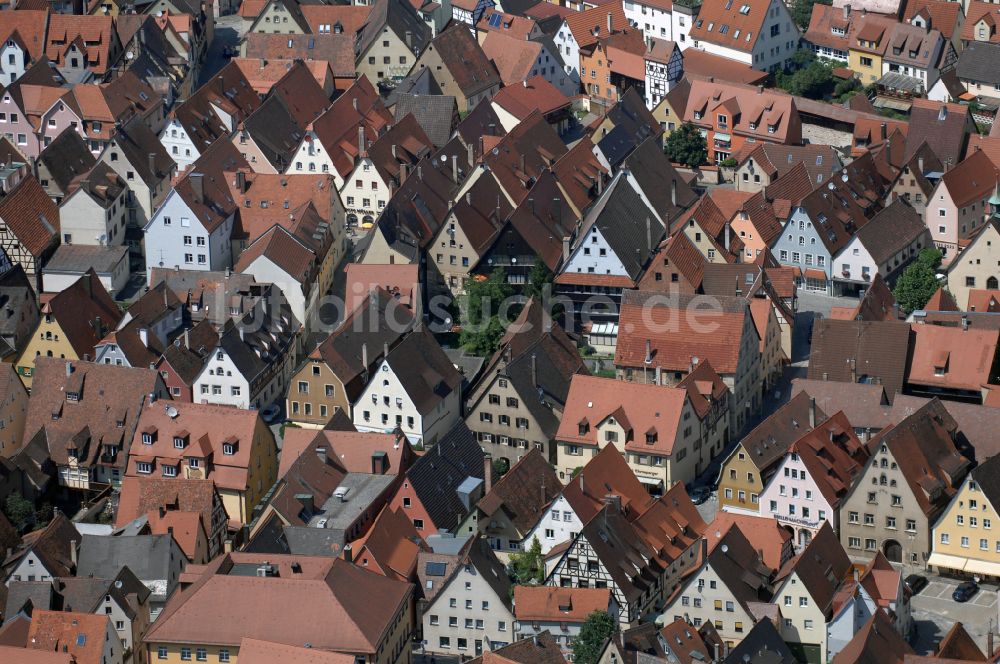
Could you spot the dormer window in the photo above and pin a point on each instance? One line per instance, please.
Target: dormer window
(148, 437)
(144, 467)
(180, 440)
(650, 437)
(229, 447)
(771, 128)
(170, 471)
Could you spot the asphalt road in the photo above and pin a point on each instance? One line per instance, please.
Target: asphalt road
(934, 612)
(228, 31)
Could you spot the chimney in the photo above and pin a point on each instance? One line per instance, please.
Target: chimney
(610, 24)
(581, 482)
(187, 339)
(847, 11)
(454, 168)
(648, 359)
(920, 165)
(673, 192)
(354, 103)
(614, 501)
(348, 553)
(534, 371)
(364, 356)
(402, 173)
(487, 473)
(385, 350)
(882, 131)
(394, 151)
(72, 552)
(565, 249)
(409, 39)
(965, 322)
(198, 185)
(659, 376)
(468, 198)
(812, 412)
(728, 230)
(152, 161)
(361, 140)
(69, 369)
(854, 370)
(472, 154)
(522, 163)
(649, 235)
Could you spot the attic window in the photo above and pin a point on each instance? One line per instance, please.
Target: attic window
(650, 437)
(180, 442)
(144, 467)
(72, 396)
(229, 447)
(147, 438)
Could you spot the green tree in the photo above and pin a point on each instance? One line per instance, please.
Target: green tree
(482, 327)
(687, 146)
(931, 257)
(802, 11)
(915, 286)
(528, 567)
(593, 635)
(19, 511)
(846, 88)
(501, 466)
(539, 277)
(808, 77)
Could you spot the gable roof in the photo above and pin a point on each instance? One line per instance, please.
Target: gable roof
(821, 567)
(768, 442)
(31, 216)
(436, 114)
(945, 128)
(877, 642)
(745, 25)
(437, 475)
(858, 351)
(401, 18)
(523, 492)
(82, 635)
(891, 231)
(606, 473)
(936, 362)
(589, 25)
(468, 65)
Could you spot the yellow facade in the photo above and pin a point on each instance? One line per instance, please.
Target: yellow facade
(667, 116)
(313, 406)
(967, 536)
(867, 65)
(740, 484)
(262, 471)
(49, 340)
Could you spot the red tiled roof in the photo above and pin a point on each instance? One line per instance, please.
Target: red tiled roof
(937, 360)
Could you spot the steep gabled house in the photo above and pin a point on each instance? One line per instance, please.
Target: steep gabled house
(20, 315)
(144, 332)
(254, 358)
(861, 351)
(23, 38)
(727, 588)
(960, 204)
(334, 375)
(44, 554)
(761, 33)
(473, 609)
(213, 111)
(510, 509)
(516, 403)
(182, 361)
(29, 233)
(914, 472)
(443, 486)
(62, 161)
(876, 586)
(391, 39)
(87, 413)
(459, 66)
(82, 47)
(808, 585)
(612, 250)
(415, 388)
(72, 324)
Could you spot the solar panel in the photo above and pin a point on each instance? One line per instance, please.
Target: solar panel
(495, 20)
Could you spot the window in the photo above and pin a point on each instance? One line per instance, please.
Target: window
(444, 642)
(965, 542)
(945, 538)
(161, 652)
(201, 654)
(185, 654)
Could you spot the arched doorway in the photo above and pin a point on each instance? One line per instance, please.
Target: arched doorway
(893, 551)
(805, 536)
(991, 283)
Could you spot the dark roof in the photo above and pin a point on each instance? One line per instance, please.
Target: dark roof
(265, 334)
(189, 352)
(400, 17)
(761, 645)
(821, 567)
(740, 568)
(148, 556)
(481, 121)
(29, 595)
(768, 442)
(539, 649)
(458, 49)
(274, 129)
(860, 351)
(436, 476)
(627, 225)
(419, 83)
(523, 492)
(891, 231)
(51, 545)
(944, 127)
(66, 157)
(977, 62)
(436, 114)
(877, 642)
(625, 554)
(138, 142)
(653, 171)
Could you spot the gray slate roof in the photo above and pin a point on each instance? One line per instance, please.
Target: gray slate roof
(148, 556)
(978, 62)
(434, 113)
(436, 475)
(78, 258)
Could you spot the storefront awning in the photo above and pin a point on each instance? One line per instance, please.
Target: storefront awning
(819, 275)
(956, 563)
(982, 567)
(652, 481)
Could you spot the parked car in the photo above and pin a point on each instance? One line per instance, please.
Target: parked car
(270, 413)
(700, 494)
(965, 591)
(915, 583)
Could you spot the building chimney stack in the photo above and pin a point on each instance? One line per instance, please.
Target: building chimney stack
(673, 192)
(361, 140)
(454, 168)
(610, 24)
(151, 157)
(812, 412)
(198, 185)
(241, 181)
(847, 11)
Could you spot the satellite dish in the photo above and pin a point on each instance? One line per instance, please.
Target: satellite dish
(172, 412)
(725, 548)
(129, 55)
(444, 157)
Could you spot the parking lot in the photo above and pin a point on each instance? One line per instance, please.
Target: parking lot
(934, 612)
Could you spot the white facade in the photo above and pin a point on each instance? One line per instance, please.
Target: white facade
(312, 157)
(559, 523)
(113, 281)
(855, 262)
(83, 220)
(385, 405)
(220, 382)
(364, 192)
(466, 617)
(569, 51)
(594, 255)
(777, 41)
(29, 569)
(176, 237)
(178, 144)
(650, 18)
(143, 197)
(793, 499)
(661, 77)
(706, 598)
(264, 270)
(681, 19)
(13, 62)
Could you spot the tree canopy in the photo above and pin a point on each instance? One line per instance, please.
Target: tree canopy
(594, 633)
(808, 77)
(482, 326)
(919, 281)
(687, 146)
(802, 11)
(527, 567)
